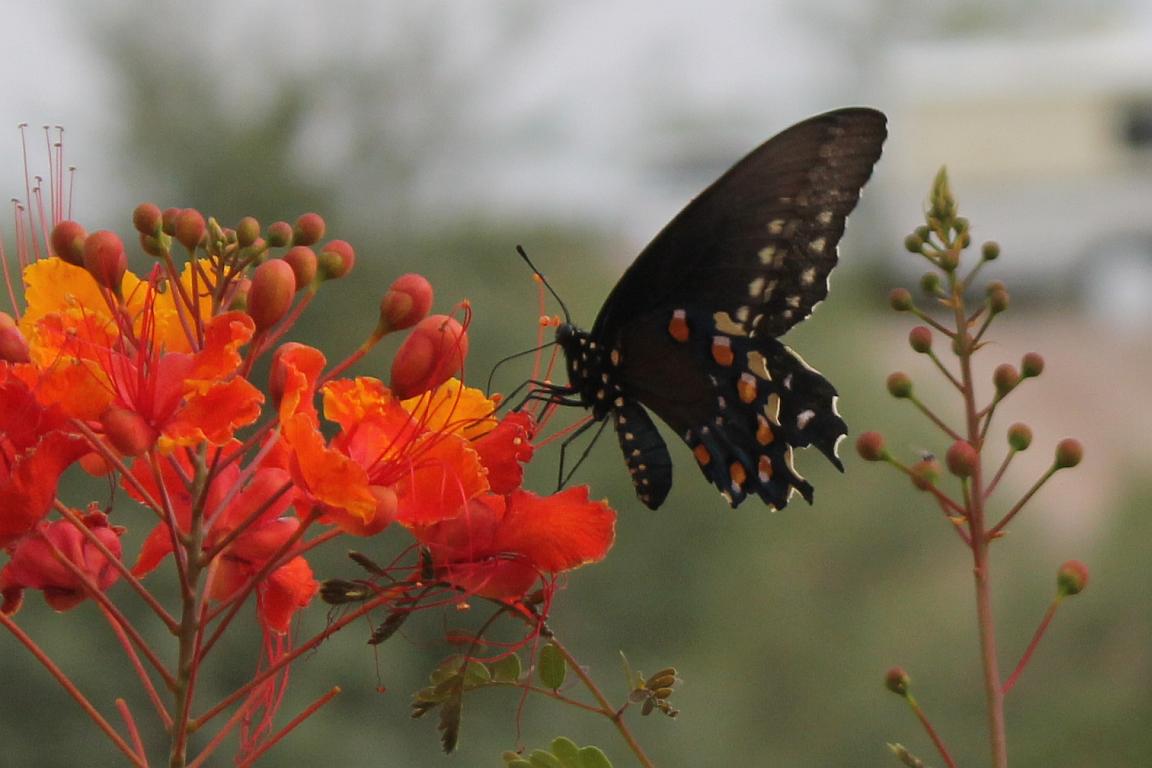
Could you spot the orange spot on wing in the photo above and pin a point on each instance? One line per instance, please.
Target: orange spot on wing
(737, 473)
(678, 326)
(702, 455)
(764, 434)
(722, 350)
(746, 386)
(765, 469)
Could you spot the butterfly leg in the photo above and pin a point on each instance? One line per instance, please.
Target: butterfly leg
(562, 479)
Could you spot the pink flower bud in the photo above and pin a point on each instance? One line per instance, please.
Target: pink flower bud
(168, 221)
(13, 345)
(127, 431)
(406, 303)
(104, 258)
(900, 299)
(962, 459)
(897, 681)
(148, 219)
(920, 339)
(433, 352)
(925, 473)
(1072, 578)
(270, 297)
(279, 234)
(870, 446)
(1019, 436)
(1032, 365)
(337, 258)
(67, 240)
(308, 230)
(189, 228)
(1069, 453)
(247, 231)
(1005, 377)
(899, 385)
(303, 261)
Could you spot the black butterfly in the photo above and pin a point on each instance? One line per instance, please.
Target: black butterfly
(690, 331)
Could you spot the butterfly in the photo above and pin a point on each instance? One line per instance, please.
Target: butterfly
(690, 332)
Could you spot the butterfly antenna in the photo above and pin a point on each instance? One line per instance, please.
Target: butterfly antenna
(551, 290)
(510, 358)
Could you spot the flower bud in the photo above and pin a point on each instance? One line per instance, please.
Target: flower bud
(925, 473)
(239, 298)
(961, 224)
(104, 258)
(990, 250)
(962, 459)
(930, 283)
(67, 241)
(1069, 453)
(95, 464)
(168, 221)
(870, 446)
(127, 430)
(949, 260)
(1031, 365)
(13, 345)
(900, 299)
(433, 352)
(1019, 436)
(998, 300)
(337, 258)
(279, 234)
(303, 261)
(1072, 578)
(308, 230)
(147, 219)
(1005, 377)
(913, 244)
(963, 343)
(899, 385)
(189, 228)
(247, 231)
(270, 297)
(152, 246)
(920, 339)
(897, 681)
(406, 303)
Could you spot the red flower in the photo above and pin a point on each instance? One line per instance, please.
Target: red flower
(35, 563)
(502, 544)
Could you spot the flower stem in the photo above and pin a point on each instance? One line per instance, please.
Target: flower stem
(932, 734)
(1040, 630)
(606, 709)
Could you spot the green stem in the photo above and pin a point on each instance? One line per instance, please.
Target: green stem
(606, 709)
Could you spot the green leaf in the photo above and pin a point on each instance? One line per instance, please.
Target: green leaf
(446, 669)
(541, 759)
(476, 675)
(592, 757)
(450, 715)
(506, 670)
(552, 667)
(518, 763)
(566, 749)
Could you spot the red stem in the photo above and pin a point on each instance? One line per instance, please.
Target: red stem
(72, 690)
(1040, 630)
(923, 718)
(279, 735)
(130, 724)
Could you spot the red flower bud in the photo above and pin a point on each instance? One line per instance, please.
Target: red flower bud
(279, 234)
(104, 258)
(1019, 436)
(303, 261)
(1005, 377)
(152, 246)
(897, 681)
(13, 345)
(1031, 365)
(337, 258)
(67, 240)
(247, 231)
(925, 473)
(269, 299)
(920, 339)
(127, 431)
(899, 385)
(189, 228)
(433, 352)
(1072, 578)
(168, 221)
(962, 459)
(870, 446)
(95, 464)
(308, 230)
(406, 303)
(900, 299)
(1069, 453)
(148, 219)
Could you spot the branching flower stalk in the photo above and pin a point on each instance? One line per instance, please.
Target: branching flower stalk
(943, 240)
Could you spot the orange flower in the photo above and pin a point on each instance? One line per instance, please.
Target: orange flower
(502, 545)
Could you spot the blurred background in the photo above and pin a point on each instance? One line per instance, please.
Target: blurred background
(435, 136)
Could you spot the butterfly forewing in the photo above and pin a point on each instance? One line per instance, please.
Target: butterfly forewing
(692, 325)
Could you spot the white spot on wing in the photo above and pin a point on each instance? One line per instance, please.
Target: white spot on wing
(756, 288)
(804, 417)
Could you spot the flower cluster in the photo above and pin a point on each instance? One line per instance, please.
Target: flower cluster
(148, 380)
